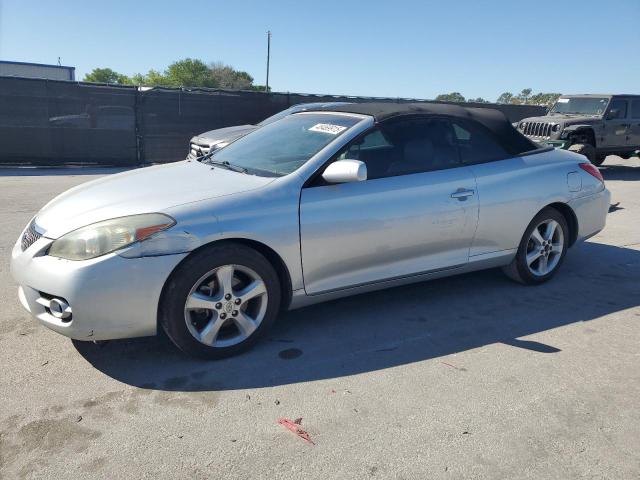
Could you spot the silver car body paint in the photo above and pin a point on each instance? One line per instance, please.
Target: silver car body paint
(334, 240)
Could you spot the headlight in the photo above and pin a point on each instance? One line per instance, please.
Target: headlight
(109, 235)
(555, 128)
(522, 125)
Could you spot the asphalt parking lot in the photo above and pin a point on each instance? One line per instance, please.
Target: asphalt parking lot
(466, 377)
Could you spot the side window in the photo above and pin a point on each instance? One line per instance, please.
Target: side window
(403, 147)
(373, 142)
(621, 106)
(635, 109)
(477, 145)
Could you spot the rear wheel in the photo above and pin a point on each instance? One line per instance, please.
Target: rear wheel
(588, 151)
(220, 301)
(541, 250)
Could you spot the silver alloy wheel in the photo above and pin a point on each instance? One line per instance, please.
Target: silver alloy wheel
(545, 247)
(226, 305)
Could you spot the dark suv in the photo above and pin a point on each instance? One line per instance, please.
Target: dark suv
(593, 125)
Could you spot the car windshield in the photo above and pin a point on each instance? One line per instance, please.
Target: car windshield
(284, 146)
(581, 105)
(279, 115)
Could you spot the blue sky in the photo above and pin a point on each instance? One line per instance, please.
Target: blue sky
(397, 48)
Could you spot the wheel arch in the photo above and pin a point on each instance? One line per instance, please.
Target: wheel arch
(271, 255)
(276, 261)
(569, 215)
(580, 132)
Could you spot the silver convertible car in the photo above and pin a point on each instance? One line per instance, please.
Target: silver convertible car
(318, 205)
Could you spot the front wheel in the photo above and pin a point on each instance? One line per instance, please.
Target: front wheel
(541, 250)
(219, 301)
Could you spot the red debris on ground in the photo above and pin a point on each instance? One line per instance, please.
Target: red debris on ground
(295, 428)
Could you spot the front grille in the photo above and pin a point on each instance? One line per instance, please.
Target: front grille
(537, 129)
(196, 150)
(30, 236)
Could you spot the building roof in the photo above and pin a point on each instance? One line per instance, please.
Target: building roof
(493, 120)
(31, 64)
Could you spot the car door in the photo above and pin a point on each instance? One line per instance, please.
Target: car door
(616, 124)
(506, 188)
(416, 212)
(634, 129)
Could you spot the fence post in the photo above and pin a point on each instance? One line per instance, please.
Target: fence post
(138, 127)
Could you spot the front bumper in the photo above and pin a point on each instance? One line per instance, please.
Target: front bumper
(557, 143)
(110, 296)
(562, 144)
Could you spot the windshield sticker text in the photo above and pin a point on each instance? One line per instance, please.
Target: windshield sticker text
(327, 128)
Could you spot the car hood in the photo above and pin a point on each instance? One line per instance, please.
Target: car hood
(227, 134)
(144, 190)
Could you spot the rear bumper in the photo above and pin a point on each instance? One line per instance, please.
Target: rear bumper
(591, 212)
(110, 296)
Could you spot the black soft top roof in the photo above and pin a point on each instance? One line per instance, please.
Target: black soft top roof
(493, 120)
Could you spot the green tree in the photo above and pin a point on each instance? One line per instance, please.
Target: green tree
(189, 73)
(225, 76)
(450, 97)
(106, 75)
(477, 100)
(152, 79)
(523, 96)
(544, 99)
(195, 73)
(506, 97)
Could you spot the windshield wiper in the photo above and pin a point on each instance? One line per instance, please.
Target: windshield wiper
(227, 165)
(224, 164)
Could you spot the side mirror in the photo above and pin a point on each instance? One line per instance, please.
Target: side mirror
(613, 113)
(345, 171)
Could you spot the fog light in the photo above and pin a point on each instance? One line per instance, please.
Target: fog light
(59, 308)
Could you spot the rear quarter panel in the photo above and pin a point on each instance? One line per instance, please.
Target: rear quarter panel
(512, 191)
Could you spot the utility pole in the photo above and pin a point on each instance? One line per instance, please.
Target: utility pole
(268, 58)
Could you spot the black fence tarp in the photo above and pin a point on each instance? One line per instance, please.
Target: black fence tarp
(55, 122)
(45, 122)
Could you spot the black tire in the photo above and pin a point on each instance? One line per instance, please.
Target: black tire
(172, 316)
(518, 270)
(588, 151)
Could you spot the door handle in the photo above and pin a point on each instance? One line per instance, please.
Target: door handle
(462, 194)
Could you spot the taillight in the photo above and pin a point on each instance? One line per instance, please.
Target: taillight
(592, 170)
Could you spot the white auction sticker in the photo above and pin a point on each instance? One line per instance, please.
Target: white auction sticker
(563, 100)
(327, 128)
